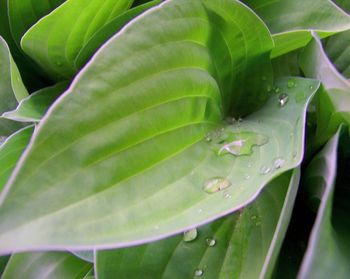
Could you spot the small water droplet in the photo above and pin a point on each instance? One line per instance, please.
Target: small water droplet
(233, 148)
(277, 90)
(278, 163)
(253, 217)
(198, 272)
(283, 99)
(216, 184)
(311, 87)
(264, 170)
(291, 83)
(210, 242)
(200, 210)
(190, 235)
(294, 154)
(227, 196)
(247, 177)
(231, 120)
(207, 138)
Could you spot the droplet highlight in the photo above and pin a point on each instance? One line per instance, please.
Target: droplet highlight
(198, 272)
(265, 170)
(211, 242)
(283, 99)
(216, 184)
(278, 163)
(190, 235)
(291, 83)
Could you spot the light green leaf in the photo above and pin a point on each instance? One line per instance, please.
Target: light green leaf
(57, 38)
(333, 103)
(226, 248)
(338, 50)
(11, 150)
(107, 31)
(131, 168)
(49, 265)
(328, 250)
(291, 21)
(87, 255)
(33, 108)
(24, 13)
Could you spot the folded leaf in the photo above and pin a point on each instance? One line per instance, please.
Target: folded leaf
(11, 150)
(33, 108)
(50, 265)
(328, 250)
(226, 248)
(56, 39)
(292, 21)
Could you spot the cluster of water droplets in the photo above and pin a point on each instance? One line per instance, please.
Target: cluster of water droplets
(276, 164)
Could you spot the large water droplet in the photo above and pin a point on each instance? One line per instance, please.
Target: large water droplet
(283, 99)
(210, 242)
(311, 87)
(190, 235)
(278, 163)
(216, 184)
(264, 170)
(198, 272)
(291, 83)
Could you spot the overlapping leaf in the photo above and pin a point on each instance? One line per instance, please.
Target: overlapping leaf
(328, 250)
(226, 248)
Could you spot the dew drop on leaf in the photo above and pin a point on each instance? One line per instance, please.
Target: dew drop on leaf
(277, 90)
(264, 170)
(278, 163)
(198, 272)
(210, 242)
(190, 235)
(283, 99)
(216, 184)
(227, 196)
(291, 83)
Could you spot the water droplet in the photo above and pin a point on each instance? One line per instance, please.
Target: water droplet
(283, 99)
(264, 170)
(294, 154)
(200, 210)
(277, 90)
(247, 177)
(253, 217)
(311, 87)
(190, 235)
(291, 83)
(278, 163)
(231, 120)
(210, 242)
(216, 184)
(227, 196)
(198, 272)
(207, 138)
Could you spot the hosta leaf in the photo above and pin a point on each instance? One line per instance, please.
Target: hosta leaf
(56, 39)
(32, 108)
(11, 150)
(328, 250)
(333, 102)
(50, 265)
(292, 21)
(108, 30)
(226, 248)
(131, 168)
(24, 13)
(11, 86)
(338, 50)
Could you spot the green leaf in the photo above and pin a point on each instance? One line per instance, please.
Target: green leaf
(333, 103)
(328, 250)
(292, 21)
(226, 248)
(69, 26)
(131, 168)
(337, 48)
(11, 150)
(46, 265)
(107, 31)
(33, 108)
(87, 256)
(24, 13)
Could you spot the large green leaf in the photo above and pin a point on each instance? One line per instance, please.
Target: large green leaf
(226, 248)
(292, 21)
(11, 86)
(24, 13)
(334, 102)
(55, 41)
(11, 150)
(33, 108)
(131, 168)
(50, 265)
(338, 50)
(328, 250)
(107, 31)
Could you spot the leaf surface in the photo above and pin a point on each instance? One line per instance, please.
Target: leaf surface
(226, 248)
(328, 250)
(50, 265)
